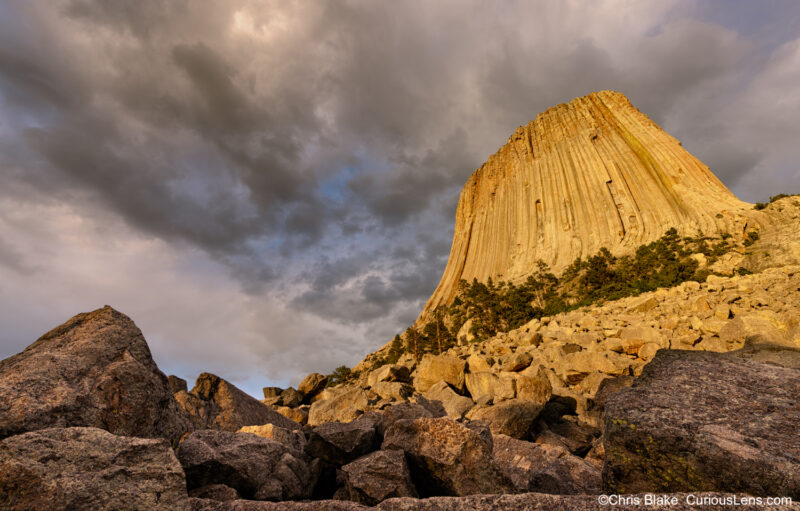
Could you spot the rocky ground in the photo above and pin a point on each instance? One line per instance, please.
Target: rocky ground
(692, 389)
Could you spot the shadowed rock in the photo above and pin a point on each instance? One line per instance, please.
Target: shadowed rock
(339, 443)
(89, 468)
(258, 468)
(94, 370)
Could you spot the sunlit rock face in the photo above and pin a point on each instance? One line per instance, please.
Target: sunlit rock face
(593, 173)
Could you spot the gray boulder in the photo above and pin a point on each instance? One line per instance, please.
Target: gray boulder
(514, 417)
(89, 468)
(700, 421)
(446, 458)
(256, 467)
(545, 468)
(378, 476)
(339, 443)
(95, 370)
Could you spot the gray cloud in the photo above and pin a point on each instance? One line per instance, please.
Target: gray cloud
(304, 160)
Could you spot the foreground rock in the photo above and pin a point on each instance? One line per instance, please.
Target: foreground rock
(435, 368)
(256, 467)
(377, 477)
(545, 468)
(698, 421)
(251, 505)
(339, 443)
(94, 370)
(217, 404)
(89, 468)
(446, 458)
(526, 502)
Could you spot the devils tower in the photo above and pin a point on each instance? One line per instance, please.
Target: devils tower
(595, 172)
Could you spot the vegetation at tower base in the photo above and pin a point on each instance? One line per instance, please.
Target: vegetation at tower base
(762, 205)
(494, 307)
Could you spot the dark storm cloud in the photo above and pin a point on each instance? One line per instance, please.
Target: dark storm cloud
(316, 150)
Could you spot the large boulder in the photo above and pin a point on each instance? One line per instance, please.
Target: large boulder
(95, 370)
(312, 385)
(215, 403)
(446, 458)
(378, 476)
(699, 421)
(89, 468)
(486, 385)
(435, 368)
(389, 373)
(339, 443)
(454, 404)
(342, 407)
(544, 468)
(514, 417)
(256, 467)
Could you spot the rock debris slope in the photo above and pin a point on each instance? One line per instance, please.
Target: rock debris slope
(593, 173)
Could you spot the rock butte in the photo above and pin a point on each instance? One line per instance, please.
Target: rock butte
(592, 173)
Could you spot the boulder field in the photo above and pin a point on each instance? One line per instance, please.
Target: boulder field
(89, 422)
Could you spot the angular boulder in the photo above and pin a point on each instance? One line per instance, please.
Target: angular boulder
(435, 368)
(95, 370)
(700, 421)
(514, 417)
(545, 468)
(378, 476)
(342, 407)
(339, 443)
(256, 467)
(389, 373)
(312, 385)
(215, 403)
(446, 458)
(486, 385)
(89, 468)
(455, 405)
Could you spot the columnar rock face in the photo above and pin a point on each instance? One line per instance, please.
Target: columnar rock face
(593, 173)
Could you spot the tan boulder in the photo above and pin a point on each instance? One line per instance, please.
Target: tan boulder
(477, 363)
(389, 373)
(496, 387)
(344, 407)
(392, 390)
(455, 405)
(435, 368)
(533, 385)
(312, 385)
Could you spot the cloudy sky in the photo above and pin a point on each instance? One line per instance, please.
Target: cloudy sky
(268, 188)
